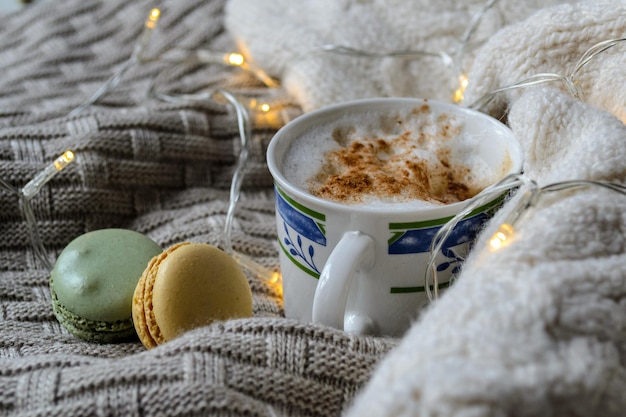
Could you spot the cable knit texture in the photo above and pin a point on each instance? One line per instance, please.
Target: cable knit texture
(553, 41)
(534, 329)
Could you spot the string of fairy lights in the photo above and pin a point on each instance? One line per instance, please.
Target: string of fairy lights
(506, 231)
(246, 108)
(28, 192)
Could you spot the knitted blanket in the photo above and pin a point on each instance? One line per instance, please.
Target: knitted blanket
(534, 329)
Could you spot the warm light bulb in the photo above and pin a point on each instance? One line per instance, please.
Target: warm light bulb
(153, 17)
(275, 279)
(501, 237)
(36, 184)
(272, 278)
(235, 59)
(64, 160)
(459, 94)
(266, 114)
(276, 282)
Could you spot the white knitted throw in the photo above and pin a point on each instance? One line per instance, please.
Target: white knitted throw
(285, 40)
(538, 327)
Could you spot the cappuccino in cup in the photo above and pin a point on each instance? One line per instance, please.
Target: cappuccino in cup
(415, 157)
(362, 188)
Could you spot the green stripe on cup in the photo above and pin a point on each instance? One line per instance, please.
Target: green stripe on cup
(408, 290)
(444, 220)
(396, 236)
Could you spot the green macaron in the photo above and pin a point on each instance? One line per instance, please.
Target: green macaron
(93, 281)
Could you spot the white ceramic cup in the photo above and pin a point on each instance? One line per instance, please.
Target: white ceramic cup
(362, 269)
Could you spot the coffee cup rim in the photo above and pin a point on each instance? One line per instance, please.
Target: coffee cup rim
(278, 144)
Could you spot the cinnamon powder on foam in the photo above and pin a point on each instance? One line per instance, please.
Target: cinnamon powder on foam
(389, 169)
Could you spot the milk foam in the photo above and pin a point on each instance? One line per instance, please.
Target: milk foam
(420, 146)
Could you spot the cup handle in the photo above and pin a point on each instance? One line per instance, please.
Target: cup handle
(355, 249)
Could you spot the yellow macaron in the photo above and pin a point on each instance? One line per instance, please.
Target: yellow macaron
(188, 286)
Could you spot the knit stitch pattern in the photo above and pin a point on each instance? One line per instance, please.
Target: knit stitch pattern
(534, 329)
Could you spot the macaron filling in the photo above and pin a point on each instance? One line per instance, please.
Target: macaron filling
(93, 281)
(91, 330)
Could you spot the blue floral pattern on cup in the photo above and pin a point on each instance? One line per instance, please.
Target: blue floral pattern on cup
(414, 238)
(417, 237)
(303, 232)
(454, 261)
(296, 249)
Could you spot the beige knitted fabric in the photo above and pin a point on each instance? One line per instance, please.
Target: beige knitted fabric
(536, 329)
(162, 169)
(256, 367)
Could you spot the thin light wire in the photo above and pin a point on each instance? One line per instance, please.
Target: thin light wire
(110, 84)
(31, 223)
(569, 80)
(137, 57)
(566, 185)
(529, 200)
(211, 57)
(33, 233)
(187, 57)
(28, 192)
(243, 116)
(445, 57)
(592, 52)
(8, 187)
(245, 133)
(469, 33)
(506, 184)
(530, 81)
(245, 129)
(354, 52)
